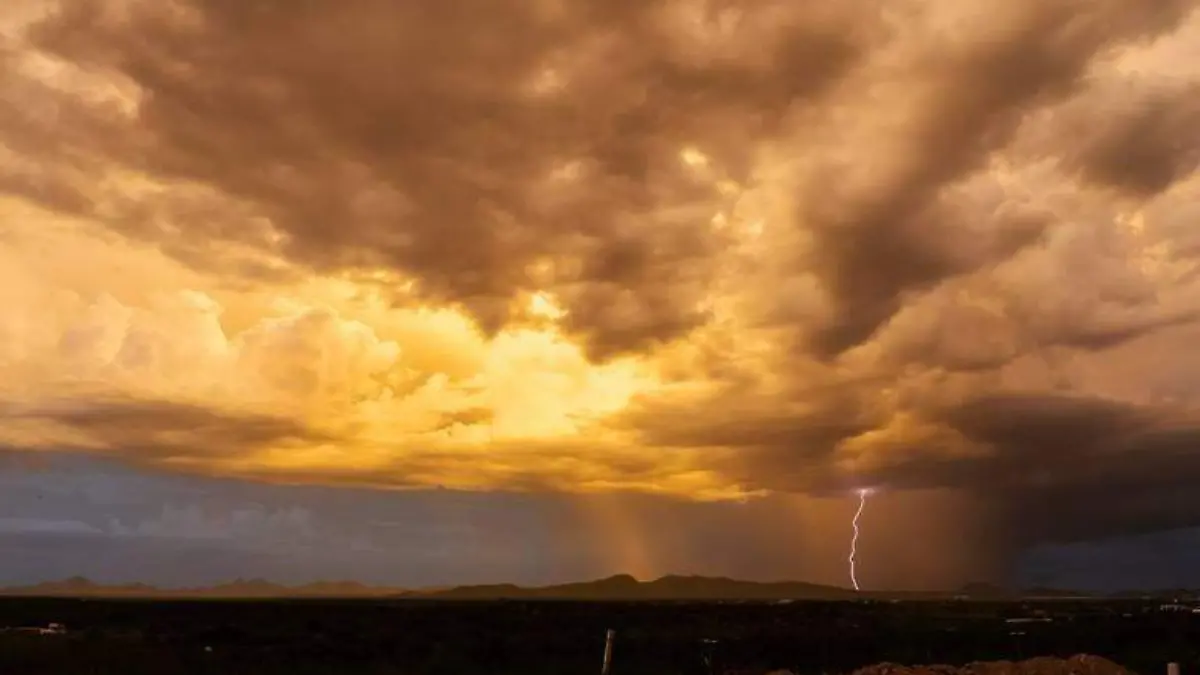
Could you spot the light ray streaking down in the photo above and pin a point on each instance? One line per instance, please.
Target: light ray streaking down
(862, 504)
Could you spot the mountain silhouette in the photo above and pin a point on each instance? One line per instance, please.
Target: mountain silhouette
(618, 587)
(672, 587)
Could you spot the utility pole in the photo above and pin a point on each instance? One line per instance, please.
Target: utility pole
(608, 642)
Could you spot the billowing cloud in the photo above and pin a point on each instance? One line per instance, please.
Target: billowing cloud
(680, 247)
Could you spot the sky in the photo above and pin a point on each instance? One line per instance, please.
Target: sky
(421, 293)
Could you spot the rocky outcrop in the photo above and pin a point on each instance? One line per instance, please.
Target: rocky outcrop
(1080, 664)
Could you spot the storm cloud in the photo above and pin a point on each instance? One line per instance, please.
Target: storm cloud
(705, 250)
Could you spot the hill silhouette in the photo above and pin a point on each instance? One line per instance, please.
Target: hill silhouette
(672, 587)
(618, 587)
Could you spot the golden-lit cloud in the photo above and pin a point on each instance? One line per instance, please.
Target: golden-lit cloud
(673, 246)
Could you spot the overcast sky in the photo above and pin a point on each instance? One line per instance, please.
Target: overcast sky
(432, 292)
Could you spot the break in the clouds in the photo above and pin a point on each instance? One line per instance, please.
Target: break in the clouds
(706, 250)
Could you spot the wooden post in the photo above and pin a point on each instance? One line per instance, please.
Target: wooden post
(1172, 668)
(608, 640)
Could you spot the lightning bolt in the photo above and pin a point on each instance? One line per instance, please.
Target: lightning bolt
(862, 504)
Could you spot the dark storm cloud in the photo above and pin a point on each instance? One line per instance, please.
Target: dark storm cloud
(875, 245)
(1071, 467)
(787, 449)
(161, 430)
(739, 420)
(1144, 150)
(409, 134)
(59, 138)
(1057, 467)
(1101, 337)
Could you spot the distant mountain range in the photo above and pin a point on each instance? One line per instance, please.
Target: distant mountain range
(240, 588)
(624, 587)
(620, 587)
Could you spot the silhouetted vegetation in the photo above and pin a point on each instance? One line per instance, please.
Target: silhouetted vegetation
(528, 637)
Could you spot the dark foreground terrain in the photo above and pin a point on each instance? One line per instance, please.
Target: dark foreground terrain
(531, 637)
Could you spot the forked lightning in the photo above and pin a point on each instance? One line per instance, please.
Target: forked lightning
(862, 504)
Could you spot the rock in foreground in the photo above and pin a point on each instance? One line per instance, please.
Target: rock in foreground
(1080, 664)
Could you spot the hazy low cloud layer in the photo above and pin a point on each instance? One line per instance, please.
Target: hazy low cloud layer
(79, 516)
(75, 516)
(688, 248)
